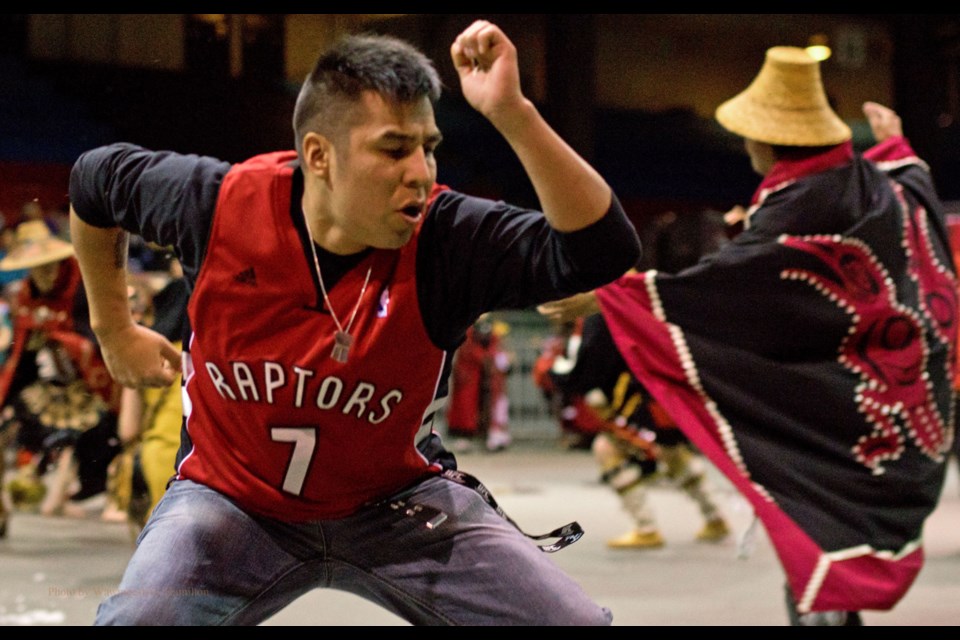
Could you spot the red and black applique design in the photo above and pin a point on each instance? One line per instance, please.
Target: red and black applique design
(888, 342)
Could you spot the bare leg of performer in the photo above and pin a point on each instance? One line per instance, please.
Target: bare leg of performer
(683, 470)
(625, 475)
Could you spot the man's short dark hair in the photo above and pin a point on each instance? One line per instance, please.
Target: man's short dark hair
(391, 67)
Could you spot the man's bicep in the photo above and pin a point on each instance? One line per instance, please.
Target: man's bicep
(458, 260)
(491, 253)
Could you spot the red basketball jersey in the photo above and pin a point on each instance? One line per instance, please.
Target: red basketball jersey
(275, 423)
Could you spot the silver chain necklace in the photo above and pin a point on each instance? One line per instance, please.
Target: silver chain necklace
(342, 340)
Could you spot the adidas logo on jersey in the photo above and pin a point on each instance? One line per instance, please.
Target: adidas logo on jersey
(247, 276)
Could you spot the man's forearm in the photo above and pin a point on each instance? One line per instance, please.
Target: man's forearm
(102, 255)
(572, 194)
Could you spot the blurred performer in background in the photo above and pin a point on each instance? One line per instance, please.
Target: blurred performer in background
(59, 403)
(479, 404)
(637, 442)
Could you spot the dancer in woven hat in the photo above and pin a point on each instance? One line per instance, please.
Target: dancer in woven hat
(57, 399)
(330, 287)
(812, 358)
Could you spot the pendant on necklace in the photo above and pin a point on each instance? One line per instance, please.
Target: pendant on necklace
(341, 347)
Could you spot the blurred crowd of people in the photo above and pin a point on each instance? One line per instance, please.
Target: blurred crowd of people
(76, 444)
(73, 442)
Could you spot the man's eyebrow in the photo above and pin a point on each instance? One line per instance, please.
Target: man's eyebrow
(396, 136)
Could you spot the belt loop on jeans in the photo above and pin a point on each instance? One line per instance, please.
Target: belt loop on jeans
(567, 534)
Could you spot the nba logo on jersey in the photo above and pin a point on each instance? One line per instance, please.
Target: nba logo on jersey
(384, 303)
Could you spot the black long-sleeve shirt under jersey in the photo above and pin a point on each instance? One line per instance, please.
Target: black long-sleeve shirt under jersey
(475, 255)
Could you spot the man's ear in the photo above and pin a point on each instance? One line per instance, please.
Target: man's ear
(317, 151)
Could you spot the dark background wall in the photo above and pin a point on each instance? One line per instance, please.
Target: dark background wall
(634, 93)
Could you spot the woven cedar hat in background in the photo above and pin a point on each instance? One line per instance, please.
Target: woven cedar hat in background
(35, 246)
(785, 104)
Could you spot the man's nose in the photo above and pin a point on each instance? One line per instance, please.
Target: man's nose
(419, 169)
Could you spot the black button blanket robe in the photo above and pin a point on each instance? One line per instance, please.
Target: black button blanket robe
(811, 359)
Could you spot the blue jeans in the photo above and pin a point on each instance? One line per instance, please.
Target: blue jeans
(201, 560)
